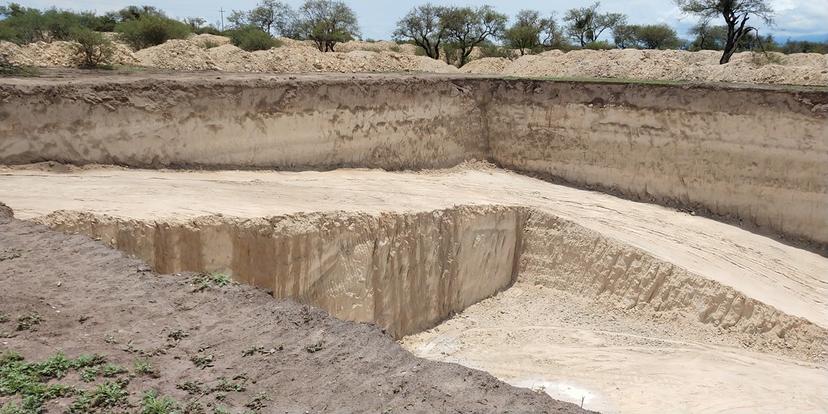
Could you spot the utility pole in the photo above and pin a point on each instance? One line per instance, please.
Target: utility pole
(221, 13)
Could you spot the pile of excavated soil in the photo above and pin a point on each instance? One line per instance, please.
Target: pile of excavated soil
(290, 59)
(59, 53)
(207, 40)
(379, 46)
(211, 346)
(176, 55)
(486, 65)
(668, 65)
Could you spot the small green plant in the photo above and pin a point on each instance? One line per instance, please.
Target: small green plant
(89, 374)
(226, 385)
(144, 367)
(106, 395)
(194, 407)
(178, 335)
(191, 387)
(220, 410)
(207, 280)
(55, 367)
(258, 402)
(112, 370)
(202, 361)
(151, 403)
(29, 321)
(3, 317)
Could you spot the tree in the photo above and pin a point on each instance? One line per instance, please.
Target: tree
(95, 48)
(530, 31)
(654, 36)
(424, 27)
(585, 25)
(271, 16)
(736, 14)
(708, 37)
(467, 27)
(195, 23)
(326, 23)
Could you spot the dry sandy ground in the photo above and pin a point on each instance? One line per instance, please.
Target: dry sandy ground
(571, 346)
(273, 356)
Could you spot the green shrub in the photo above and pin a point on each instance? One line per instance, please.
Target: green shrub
(96, 49)
(151, 30)
(252, 38)
(599, 45)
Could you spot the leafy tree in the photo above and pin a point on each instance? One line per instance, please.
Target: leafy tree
(195, 23)
(326, 23)
(467, 27)
(271, 16)
(138, 12)
(252, 38)
(150, 30)
(736, 14)
(95, 48)
(530, 32)
(423, 25)
(657, 36)
(585, 24)
(708, 37)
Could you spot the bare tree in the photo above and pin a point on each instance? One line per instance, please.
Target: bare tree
(423, 26)
(467, 27)
(736, 14)
(271, 16)
(585, 25)
(326, 23)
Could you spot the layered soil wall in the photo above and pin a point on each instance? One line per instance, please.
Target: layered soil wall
(404, 272)
(752, 154)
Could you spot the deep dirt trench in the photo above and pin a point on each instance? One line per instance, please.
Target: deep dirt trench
(230, 348)
(624, 306)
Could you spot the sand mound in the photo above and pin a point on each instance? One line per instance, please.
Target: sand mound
(668, 65)
(15, 54)
(176, 55)
(380, 46)
(59, 53)
(207, 40)
(486, 65)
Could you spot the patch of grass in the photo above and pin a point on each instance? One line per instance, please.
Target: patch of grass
(55, 367)
(29, 321)
(152, 403)
(29, 381)
(207, 280)
(106, 395)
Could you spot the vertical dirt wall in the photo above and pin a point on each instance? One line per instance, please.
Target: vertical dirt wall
(404, 272)
(758, 156)
(275, 123)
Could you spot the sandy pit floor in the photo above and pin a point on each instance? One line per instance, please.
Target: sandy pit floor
(571, 346)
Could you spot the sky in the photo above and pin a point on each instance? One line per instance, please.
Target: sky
(797, 19)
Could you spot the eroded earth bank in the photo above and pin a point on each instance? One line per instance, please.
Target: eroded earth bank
(718, 305)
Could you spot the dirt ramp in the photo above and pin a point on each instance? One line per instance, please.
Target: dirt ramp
(405, 272)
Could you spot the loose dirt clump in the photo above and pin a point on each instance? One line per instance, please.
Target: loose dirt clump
(176, 54)
(111, 336)
(207, 40)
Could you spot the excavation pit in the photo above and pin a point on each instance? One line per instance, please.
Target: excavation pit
(546, 286)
